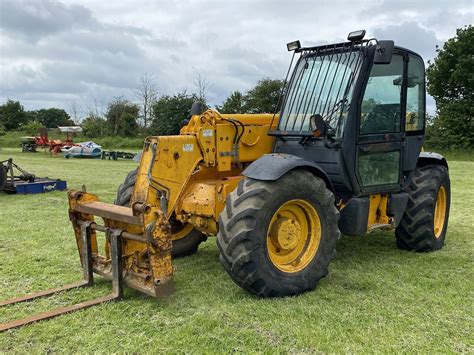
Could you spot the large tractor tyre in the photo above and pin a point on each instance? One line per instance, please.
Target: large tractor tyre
(423, 226)
(186, 239)
(277, 238)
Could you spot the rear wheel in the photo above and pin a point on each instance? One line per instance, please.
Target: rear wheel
(423, 226)
(186, 239)
(277, 238)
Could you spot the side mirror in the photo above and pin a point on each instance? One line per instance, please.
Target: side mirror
(411, 82)
(197, 108)
(384, 52)
(318, 125)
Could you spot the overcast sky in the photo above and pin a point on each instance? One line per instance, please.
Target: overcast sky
(65, 53)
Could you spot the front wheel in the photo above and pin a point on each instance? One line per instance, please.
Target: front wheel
(277, 238)
(424, 224)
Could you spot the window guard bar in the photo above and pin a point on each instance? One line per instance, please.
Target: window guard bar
(329, 86)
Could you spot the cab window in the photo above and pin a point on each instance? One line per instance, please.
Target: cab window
(381, 105)
(415, 116)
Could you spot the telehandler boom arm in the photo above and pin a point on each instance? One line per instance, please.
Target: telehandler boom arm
(184, 178)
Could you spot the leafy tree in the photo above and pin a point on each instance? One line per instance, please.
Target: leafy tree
(52, 117)
(30, 116)
(451, 83)
(235, 103)
(263, 98)
(170, 111)
(129, 124)
(32, 127)
(93, 126)
(122, 118)
(12, 115)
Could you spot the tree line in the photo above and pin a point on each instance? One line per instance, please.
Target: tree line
(13, 117)
(450, 80)
(451, 83)
(154, 115)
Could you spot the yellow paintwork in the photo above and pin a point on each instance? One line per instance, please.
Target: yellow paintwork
(213, 170)
(182, 232)
(200, 199)
(199, 167)
(215, 137)
(293, 236)
(440, 212)
(224, 136)
(411, 121)
(378, 212)
(77, 229)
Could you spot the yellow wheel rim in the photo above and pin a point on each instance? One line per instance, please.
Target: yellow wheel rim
(440, 212)
(181, 231)
(293, 236)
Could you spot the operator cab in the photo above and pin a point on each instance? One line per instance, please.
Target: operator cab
(357, 110)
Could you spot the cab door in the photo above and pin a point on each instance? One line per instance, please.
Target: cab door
(415, 116)
(381, 133)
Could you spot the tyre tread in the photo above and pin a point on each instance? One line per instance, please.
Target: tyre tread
(415, 231)
(236, 227)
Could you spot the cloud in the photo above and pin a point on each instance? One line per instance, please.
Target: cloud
(54, 53)
(35, 19)
(411, 35)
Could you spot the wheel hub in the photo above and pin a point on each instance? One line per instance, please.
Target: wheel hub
(287, 233)
(293, 235)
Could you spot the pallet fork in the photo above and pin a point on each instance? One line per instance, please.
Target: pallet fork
(115, 238)
(137, 253)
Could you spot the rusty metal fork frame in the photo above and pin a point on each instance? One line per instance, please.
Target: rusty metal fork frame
(117, 281)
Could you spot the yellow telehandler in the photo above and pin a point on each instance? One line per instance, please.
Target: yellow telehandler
(344, 155)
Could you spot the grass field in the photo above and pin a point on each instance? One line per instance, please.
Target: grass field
(375, 298)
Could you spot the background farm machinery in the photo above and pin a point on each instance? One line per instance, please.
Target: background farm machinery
(30, 144)
(14, 179)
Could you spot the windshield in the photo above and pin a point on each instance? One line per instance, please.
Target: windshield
(321, 84)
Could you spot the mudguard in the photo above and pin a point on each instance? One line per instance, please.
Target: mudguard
(271, 167)
(427, 158)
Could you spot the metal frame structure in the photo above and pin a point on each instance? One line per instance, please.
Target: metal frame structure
(349, 53)
(115, 237)
(9, 166)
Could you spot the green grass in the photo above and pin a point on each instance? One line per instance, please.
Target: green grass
(375, 299)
